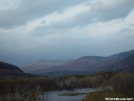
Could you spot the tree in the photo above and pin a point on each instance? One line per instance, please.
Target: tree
(123, 81)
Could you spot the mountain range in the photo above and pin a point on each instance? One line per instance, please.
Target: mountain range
(123, 61)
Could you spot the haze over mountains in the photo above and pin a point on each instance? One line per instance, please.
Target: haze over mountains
(85, 65)
(42, 64)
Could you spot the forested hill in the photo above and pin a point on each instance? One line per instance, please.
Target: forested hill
(11, 71)
(9, 67)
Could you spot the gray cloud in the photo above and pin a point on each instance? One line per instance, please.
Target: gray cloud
(99, 12)
(58, 27)
(119, 9)
(91, 32)
(106, 12)
(31, 10)
(126, 31)
(131, 25)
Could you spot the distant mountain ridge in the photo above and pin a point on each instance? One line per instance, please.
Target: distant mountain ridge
(42, 64)
(89, 64)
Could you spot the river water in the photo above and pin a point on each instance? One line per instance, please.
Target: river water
(54, 95)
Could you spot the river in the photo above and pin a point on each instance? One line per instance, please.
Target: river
(55, 95)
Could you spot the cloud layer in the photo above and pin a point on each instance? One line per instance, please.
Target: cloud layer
(63, 29)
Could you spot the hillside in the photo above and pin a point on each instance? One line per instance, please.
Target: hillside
(112, 62)
(87, 65)
(11, 71)
(126, 64)
(9, 67)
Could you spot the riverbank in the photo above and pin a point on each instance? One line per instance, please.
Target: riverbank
(103, 95)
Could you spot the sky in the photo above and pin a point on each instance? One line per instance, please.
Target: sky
(64, 29)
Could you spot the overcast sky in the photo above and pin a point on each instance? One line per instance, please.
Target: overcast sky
(64, 29)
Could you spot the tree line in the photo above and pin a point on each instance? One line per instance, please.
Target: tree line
(34, 89)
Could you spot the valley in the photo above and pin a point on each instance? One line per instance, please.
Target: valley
(41, 79)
